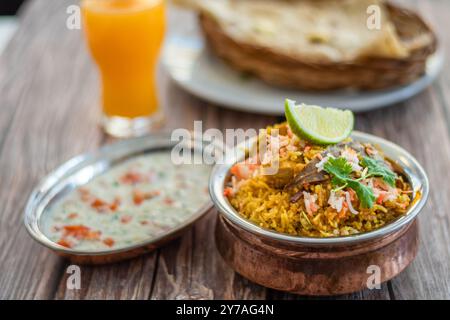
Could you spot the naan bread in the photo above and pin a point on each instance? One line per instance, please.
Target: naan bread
(317, 44)
(312, 30)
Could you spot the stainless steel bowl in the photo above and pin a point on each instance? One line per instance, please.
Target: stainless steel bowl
(412, 169)
(79, 171)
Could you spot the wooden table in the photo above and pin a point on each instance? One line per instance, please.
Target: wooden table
(48, 92)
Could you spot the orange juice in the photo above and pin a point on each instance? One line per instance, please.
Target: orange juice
(125, 37)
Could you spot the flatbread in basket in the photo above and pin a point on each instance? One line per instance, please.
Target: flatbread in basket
(318, 44)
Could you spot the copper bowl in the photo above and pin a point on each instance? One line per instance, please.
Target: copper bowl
(320, 266)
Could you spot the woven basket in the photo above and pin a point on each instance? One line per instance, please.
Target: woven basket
(365, 74)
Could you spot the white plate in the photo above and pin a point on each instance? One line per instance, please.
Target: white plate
(198, 71)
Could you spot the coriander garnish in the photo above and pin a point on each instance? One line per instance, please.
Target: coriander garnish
(340, 170)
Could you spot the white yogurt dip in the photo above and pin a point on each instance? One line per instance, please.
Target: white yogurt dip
(134, 201)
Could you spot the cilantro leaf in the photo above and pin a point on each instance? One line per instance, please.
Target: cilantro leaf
(364, 193)
(376, 168)
(339, 169)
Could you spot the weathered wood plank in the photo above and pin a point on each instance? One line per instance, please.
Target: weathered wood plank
(191, 268)
(48, 90)
(375, 294)
(130, 279)
(47, 117)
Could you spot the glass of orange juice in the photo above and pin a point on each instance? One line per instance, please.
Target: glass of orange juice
(125, 37)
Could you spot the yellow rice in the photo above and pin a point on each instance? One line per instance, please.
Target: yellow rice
(268, 205)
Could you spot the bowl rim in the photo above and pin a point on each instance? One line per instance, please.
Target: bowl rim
(130, 148)
(419, 180)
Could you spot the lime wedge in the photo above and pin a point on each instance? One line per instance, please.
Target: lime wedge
(319, 125)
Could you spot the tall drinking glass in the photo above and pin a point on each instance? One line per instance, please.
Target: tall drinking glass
(125, 38)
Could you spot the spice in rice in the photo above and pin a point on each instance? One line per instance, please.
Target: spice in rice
(319, 191)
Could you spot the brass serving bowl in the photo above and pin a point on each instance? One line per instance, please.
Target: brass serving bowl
(320, 266)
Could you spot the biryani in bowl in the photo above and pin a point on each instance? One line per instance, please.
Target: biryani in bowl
(321, 187)
(307, 206)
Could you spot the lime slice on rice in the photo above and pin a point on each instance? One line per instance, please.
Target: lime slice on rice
(319, 125)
